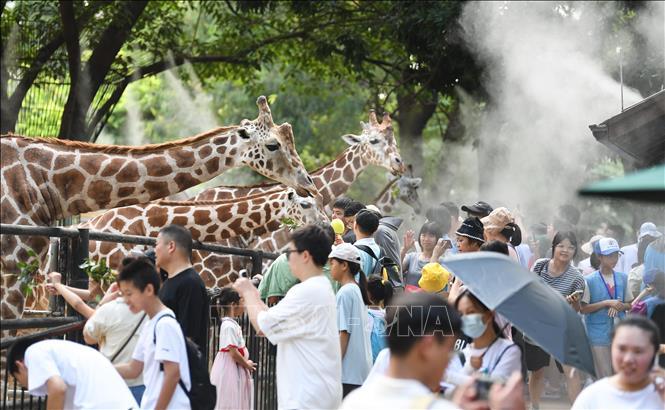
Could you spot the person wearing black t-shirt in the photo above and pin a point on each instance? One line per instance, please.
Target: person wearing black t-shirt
(184, 291)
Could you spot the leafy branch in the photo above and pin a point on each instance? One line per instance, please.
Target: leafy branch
(29, 273)
(98, 271)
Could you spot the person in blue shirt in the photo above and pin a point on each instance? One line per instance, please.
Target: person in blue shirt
(366, 223)
(606, 298)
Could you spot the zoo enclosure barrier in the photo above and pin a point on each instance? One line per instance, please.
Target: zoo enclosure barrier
(70, 252)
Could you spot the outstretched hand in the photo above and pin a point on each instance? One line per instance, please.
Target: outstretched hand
(409, 239)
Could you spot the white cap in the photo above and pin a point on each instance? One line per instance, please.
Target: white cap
(588, 247)
(649, 228)
(606, 246)
(346, 252)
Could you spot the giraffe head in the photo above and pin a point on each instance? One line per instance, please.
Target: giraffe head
(274, 151)
(377, 141)
(303, 210)
(408, 192)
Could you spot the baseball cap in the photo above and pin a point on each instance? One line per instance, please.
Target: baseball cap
(606, 246)
(346, 252)
(649, 228)
(480, 207)
(434, 277)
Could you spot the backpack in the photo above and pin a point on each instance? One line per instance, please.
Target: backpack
(203, 394)
(385, 267)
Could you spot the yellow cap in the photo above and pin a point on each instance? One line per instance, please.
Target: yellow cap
(434, 278)
(338, 226)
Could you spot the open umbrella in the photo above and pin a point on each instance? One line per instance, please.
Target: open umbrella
(643, 185)
(527, 302)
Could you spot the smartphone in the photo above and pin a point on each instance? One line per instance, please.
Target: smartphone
(483, 386)
(576, 293)
(447, 242)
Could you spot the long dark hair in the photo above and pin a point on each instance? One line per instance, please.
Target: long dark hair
(354, 268)
(512, 233)
(561, 236)
(482, 307)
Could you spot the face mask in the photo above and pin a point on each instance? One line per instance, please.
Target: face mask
(473, 326)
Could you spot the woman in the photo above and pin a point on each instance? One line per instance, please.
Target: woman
(635, 343)
(560, 274)
(500, 225)
(469, 239)
(352, 301)
(489, 353)
(413, 262)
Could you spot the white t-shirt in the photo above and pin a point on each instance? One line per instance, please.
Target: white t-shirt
(629, 257)
(603, 395)
(169, 346)
(303, 325)
(111, 326)
(92, 381)
(384, 393)
(495, 364)
(352, 318)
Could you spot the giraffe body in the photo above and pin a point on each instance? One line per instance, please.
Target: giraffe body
(43, 180)
(208, 221)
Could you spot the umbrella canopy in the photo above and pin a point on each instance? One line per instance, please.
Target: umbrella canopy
(527, 302)
(644, 185)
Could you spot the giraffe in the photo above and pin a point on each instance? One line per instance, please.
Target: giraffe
(403, 189)
(44, 180)
(374, 146)
(208, 221)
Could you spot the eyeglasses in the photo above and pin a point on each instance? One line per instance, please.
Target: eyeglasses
(288, 252)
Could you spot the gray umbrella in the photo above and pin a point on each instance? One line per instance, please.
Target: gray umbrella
(527, 302)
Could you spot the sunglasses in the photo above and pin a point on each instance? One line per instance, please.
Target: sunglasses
(288, 252)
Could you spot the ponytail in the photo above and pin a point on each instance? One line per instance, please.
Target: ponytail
(513, 233)
(354, 268)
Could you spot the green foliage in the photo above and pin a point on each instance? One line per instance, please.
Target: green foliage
(289, 223)
(29, 276)
(98, 271)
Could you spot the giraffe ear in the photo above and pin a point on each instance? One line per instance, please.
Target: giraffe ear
(351, 139)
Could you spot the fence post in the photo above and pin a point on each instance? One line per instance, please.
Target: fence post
(257, 263)
(56, 302)
(79, 254)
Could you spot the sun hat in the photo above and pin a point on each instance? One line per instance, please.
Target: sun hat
(498, 219)
(606, 246)
(480, 208)
(345, 252)
(434, 277)
(471, 228)
(649, 228)
(588, 247)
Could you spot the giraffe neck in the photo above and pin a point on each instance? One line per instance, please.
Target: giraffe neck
(386, 201)
(70, 178)
(334, 179)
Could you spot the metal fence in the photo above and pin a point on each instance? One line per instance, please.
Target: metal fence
(72, 250)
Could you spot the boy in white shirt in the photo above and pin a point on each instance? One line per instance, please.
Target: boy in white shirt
(160, 352)
(73, 376)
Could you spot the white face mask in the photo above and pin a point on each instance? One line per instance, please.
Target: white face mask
(473, 326)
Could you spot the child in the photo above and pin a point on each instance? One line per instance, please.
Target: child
(605, 299)
(379, 293)
(231, 369)
(160, 353)
(352, 314)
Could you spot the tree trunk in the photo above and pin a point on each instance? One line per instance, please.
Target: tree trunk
(414, 113)
(74, 125)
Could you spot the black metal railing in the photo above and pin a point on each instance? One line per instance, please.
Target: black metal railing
(72, 250)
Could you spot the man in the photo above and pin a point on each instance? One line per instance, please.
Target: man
(160, 353)
(339, 206)
(303, 325)
(480, 209)
(73, 376)
(420, 335)
(184, 291)
(350, 213)
(366, 224)
(387, 239)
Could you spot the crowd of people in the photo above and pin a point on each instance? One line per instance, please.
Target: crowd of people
(366, 319)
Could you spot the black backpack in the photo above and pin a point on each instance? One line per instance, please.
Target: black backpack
(384, 267)
(203, 394)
